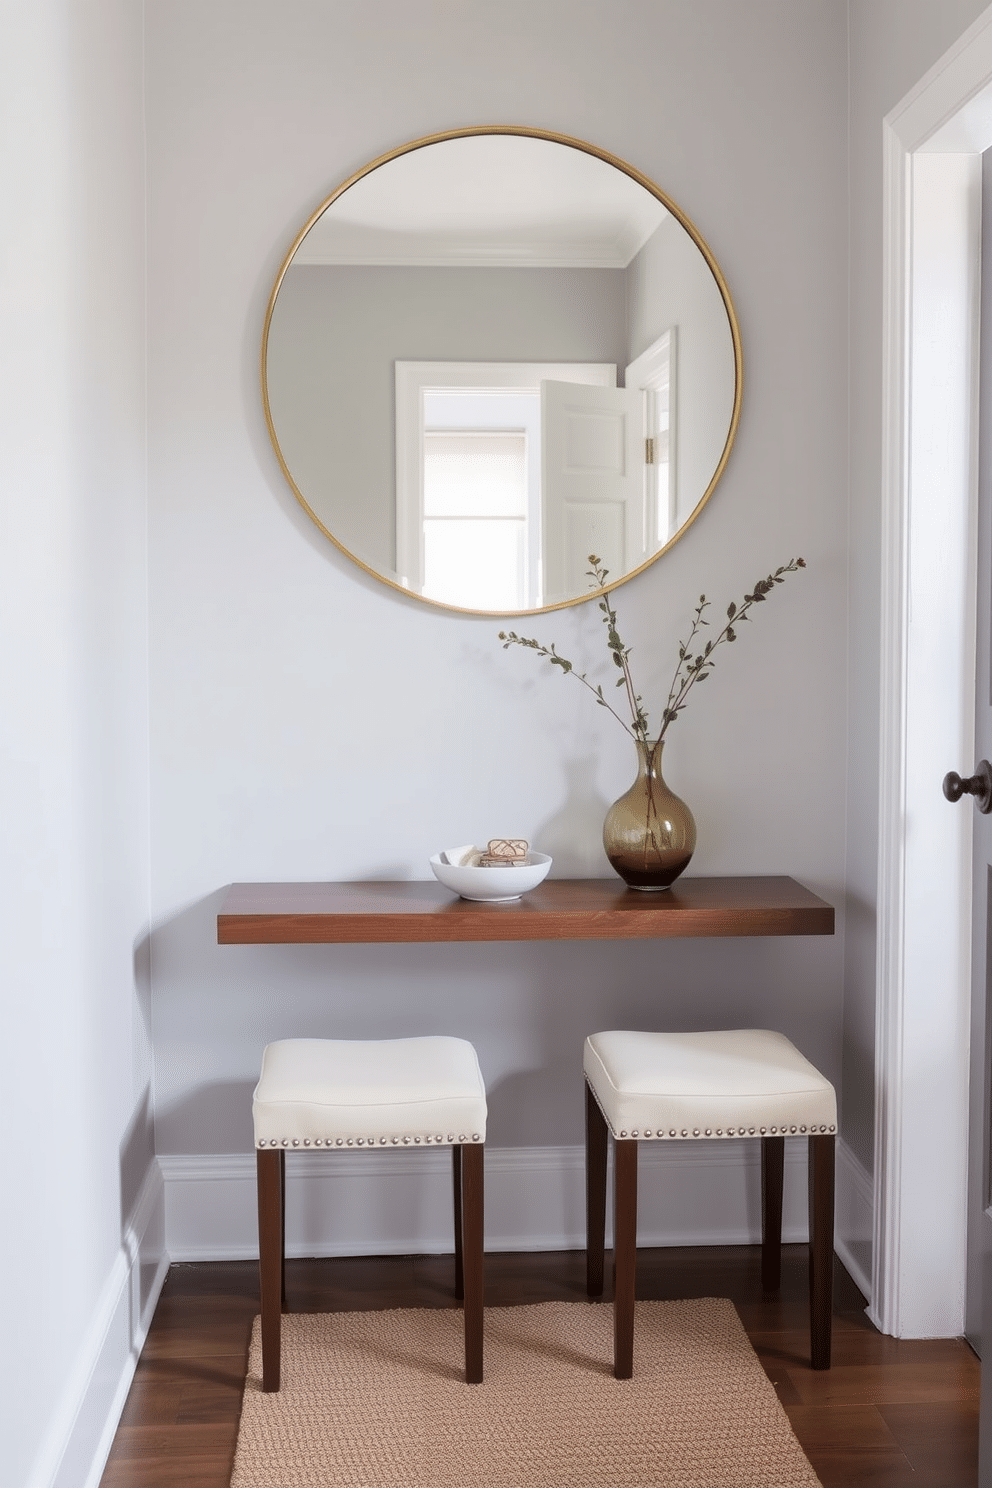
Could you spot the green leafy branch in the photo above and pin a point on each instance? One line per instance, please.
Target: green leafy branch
(691, 668)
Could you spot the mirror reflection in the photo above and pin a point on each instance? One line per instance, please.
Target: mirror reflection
(492, 354)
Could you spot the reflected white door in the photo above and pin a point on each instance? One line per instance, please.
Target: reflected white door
(654, 372)
(592, 485)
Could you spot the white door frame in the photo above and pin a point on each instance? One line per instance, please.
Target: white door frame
(932, 227)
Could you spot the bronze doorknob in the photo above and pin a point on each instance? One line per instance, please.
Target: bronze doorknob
(978, 785)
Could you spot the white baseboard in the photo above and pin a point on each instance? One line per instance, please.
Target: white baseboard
(855, 1219)
(83, 1423)
(690, 1193)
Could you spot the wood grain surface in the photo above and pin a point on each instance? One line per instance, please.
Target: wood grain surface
(374, 912)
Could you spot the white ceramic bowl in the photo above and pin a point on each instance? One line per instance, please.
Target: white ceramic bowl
(494, 884)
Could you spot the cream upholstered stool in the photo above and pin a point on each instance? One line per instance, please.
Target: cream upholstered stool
(348, 1095)
(698, 1086)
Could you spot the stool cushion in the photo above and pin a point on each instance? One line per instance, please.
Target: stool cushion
(743, 1083)
(365, 1093)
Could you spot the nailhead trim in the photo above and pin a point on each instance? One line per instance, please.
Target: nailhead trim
(406, 1141)
(430, 1139)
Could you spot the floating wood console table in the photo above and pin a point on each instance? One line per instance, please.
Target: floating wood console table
(376, 912)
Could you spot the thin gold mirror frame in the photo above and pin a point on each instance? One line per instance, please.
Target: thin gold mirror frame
(521, 131)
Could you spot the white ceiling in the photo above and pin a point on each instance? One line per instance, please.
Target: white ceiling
(488, 200)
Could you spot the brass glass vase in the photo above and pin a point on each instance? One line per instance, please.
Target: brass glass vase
(649, 833)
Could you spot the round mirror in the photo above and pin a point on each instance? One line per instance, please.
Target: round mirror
(492, 353)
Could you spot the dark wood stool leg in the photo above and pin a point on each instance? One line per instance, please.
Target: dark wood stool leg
(821, 1248)
(624, 1255)
(473, 1184)
(596, 1144)
(456, 1180)
(282, 1231)
(270, 1166)
(772, 1176)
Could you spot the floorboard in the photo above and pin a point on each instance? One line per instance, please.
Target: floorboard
(889, 1413)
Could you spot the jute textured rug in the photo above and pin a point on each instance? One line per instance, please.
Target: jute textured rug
(377, 1400)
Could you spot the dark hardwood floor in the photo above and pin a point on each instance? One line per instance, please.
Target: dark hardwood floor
(889, 1413)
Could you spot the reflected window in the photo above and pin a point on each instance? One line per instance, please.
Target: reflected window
(470, 478)
(476, 510)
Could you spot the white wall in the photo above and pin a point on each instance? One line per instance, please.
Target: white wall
(75, 1099)
(307, 723)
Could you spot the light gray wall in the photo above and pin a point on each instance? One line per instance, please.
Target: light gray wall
(334, 338)
(893, 43)
(669, 283)
(308, 723)
(75, 1095)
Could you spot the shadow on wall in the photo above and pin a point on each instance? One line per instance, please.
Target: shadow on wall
(137, 1154)
(220, 1110)
(573, 835)
(141, 1217)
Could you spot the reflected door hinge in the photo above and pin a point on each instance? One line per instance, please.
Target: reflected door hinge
(649, 451)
